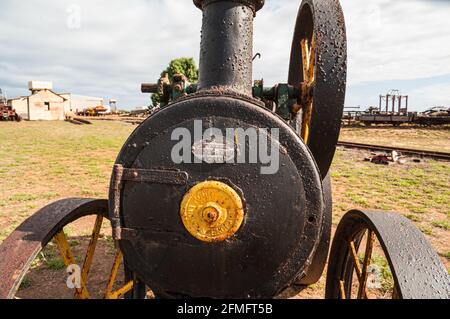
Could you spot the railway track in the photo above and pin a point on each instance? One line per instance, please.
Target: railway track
(404, 151)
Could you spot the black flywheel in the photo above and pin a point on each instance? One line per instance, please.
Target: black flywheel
(318, 67)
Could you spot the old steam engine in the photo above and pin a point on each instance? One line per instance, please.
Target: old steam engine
(225, 192)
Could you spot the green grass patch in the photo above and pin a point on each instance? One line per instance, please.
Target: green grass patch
(22, 197)
(441, 224)
(26, 283)
(359, 200)
(414, 218)
(446, 255)
(55, 264)
(74, 243)
(426, 230)
(387, 280)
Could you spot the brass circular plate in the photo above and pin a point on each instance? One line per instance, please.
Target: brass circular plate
(212, 211)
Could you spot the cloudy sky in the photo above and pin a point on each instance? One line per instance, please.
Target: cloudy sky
(106, 48)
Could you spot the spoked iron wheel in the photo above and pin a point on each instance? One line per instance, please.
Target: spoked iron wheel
(383, 255)
(318, 67)
(35, 246)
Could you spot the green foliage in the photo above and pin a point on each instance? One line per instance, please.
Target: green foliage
(156, 98)
(55, 264)
(387, 280)
(74, 243)
(383, 270)
(185, 66)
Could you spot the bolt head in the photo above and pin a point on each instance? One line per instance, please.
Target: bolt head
(211, 214)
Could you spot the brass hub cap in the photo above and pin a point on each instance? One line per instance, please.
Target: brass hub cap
(212, 211)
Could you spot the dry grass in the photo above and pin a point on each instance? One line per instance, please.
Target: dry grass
(44, 161)
(433, 139)
(419, 191)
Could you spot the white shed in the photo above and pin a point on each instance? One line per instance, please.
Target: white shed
(79, 103)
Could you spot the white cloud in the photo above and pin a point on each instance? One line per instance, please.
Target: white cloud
(432, 95)
(397, 39)
(123, 43)
(119, 45)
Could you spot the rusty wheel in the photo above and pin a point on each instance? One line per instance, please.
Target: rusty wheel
(33, 250)
(383, 255)
(318, 67)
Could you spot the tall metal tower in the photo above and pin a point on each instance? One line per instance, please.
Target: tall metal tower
(3, 98)
(113, 105)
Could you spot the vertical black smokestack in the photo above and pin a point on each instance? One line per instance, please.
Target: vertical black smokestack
(226, 49)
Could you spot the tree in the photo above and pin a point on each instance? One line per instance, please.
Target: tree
(156, 98)
(185, 66)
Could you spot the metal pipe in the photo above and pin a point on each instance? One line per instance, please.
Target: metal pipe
(226, 49)
(149, 87)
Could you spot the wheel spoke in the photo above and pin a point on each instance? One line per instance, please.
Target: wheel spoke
(306, 121)
(366, 263)
(113, 275)
(355, 259)
(305, 59)
(68, 258)
(356, 263)
(89, 255)
(308, 62)
(112, 279)
(64, 248)
(312, 61)
(119, 293)
(342, 289)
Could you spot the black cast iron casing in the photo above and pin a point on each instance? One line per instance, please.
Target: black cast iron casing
(254, 4)
(226, 49)
(283, 212)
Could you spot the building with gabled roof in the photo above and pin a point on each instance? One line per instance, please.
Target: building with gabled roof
(45, 105)
(41, 105)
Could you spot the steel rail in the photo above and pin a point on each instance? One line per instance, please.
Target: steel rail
(403, 151)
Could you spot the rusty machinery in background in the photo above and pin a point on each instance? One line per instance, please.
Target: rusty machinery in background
(223, 230)
(393, 109)
(7, 113)
(394, 98)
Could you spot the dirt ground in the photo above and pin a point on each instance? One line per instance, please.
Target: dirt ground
(41, 162)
